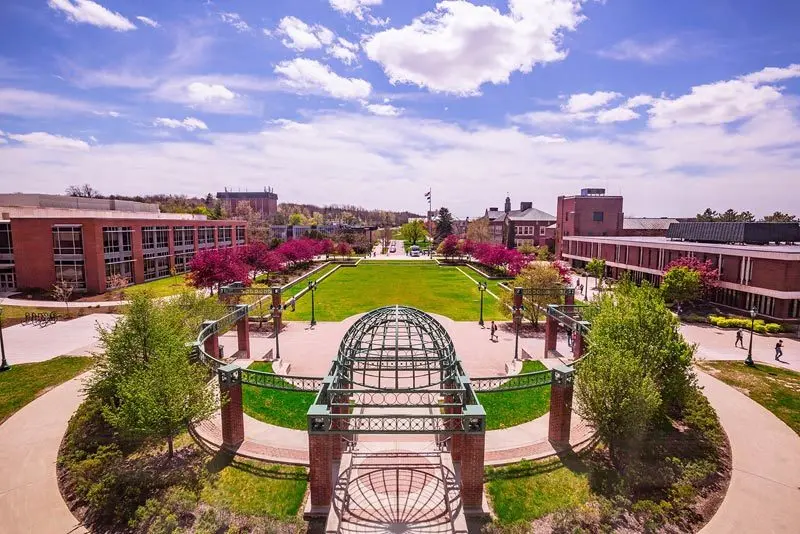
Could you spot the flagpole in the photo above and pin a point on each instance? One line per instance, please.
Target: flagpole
(430, 225)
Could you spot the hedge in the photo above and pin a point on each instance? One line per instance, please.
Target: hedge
(741, 322)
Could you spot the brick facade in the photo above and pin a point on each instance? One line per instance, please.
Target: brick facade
(560, 406)
(232, 415)
(473, 447)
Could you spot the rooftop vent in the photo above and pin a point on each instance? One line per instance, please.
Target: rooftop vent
(592, 192)
(525, 206)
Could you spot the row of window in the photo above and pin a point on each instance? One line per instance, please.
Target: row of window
(529, 230)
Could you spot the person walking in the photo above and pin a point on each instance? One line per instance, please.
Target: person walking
(779, 349)
(739, 339)
(493, 332)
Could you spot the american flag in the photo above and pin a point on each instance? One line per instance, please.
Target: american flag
(428, 195)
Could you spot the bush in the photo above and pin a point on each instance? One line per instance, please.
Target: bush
(744, 323)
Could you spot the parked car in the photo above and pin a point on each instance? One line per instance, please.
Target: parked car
(415, 251)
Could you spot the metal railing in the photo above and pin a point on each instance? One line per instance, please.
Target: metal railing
(499, 384)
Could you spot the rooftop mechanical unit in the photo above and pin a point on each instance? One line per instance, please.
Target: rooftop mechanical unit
(750, 233)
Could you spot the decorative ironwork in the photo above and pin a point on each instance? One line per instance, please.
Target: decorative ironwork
(396, 424)
(285, 382)
(499, 384)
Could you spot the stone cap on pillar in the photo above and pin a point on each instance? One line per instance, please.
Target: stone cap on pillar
(318, 419)
(243, 309)
(229, 375)
(563, 375)
(474, 418)
(276, 290)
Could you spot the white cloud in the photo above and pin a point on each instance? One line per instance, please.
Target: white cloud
(216, 93)
(460, 46)
(357, 8)
(619, 114)
(287, 124)
(773, 74)
(88, 12)
(49, 141)
(300, 36)
(586, 101)
(386, 110)
(150, 22)
(307, 75)
(189, 123)
(24, 103)
(550, 119)
(204, 92)
(631, 50)
(639, 101)
(344, 51)
(235, 20)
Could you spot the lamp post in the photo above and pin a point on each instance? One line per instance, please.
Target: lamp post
(749, 359)
(586, 288)
(481, 288)
(312, 286)
(3, 364)
(517, 320)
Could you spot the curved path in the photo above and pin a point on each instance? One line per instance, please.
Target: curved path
(764, 492)
(30, 501)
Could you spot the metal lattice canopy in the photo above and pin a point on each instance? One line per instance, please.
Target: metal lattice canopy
(396, 357)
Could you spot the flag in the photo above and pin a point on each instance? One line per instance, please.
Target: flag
(428, 195)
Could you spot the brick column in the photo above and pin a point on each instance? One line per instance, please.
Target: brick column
(171, 246)
(230, 387)
(276, 307)
(473, 448)
(320, 469)
(211, 344)
(579, 344)
(138, 253)
(517, 315)
(243, 332)
(560, 404)
(550, 335)
(569, 296)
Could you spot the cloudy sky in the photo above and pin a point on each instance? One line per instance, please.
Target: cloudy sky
(676, 105)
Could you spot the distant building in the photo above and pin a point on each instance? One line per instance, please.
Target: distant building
(83, 242)
(264, 203)
(646, 226)
(591, 213)
(514, 228)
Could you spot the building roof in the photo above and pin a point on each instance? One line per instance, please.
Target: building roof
(755, 233)
(495, 214)
(530, 214)
(647, 223)
(714, 248)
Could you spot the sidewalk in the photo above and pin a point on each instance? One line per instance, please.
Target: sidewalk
(764, 492)
(30, 501)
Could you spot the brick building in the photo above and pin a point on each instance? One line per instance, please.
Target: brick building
(264, 203)
(84, 245)
(591, 213)
(527, 226)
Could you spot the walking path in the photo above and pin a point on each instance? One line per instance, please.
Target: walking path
(764, 492)
(30, 501)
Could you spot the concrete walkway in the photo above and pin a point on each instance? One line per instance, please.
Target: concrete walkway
(764, 492)
(30, 501)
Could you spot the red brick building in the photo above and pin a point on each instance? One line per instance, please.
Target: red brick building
(41, 245)
(591, 213)
(264, 203)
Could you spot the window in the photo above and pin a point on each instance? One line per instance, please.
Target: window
(156, 268)
(240, 237)
(122, 269)
(6, 245)
(8, 279)
(205, 237)
(155, 238)
(71, 272)
(182, 262)
(67, 240)
(224, 236)
(597, 216)
(542, 230)
(117, 239)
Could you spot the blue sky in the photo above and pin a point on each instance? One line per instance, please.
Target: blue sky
(676, 105)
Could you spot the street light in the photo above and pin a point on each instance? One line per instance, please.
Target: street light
(3, 364)
(749, 359)
(586, 287)
(312, 286)
(481, 288)
(517, 320)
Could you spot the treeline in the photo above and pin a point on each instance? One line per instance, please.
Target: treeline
(732, 215)
(342, 213)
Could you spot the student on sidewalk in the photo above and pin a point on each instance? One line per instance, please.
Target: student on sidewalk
(739, 339)
(493, 332)
(779, 349)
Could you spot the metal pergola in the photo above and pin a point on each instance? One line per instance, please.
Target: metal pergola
(396, 371)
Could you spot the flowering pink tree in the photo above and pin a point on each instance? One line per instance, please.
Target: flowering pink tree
(298, 251)
(212, 268)
(326, 246)
(563, 270)
(259, 259)
(709, 276)
(500, 257)
(466, 247)
(449, 247)
(343, 249)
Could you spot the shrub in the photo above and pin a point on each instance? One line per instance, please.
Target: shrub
(774, 328)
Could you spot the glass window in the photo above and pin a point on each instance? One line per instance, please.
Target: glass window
(155, 237)
(6, 245)
(71, 272)
(67, 240)
(122, 270)
(117, 239)
(240, 235)
(597, 216)
(542, 230)
(156, 268)
(205, 236)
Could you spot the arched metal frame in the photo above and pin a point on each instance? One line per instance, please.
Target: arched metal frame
(396, 357)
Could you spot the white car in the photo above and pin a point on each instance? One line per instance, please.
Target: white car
(415, 251)
(392, 249)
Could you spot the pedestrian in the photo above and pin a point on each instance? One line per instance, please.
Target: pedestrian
(493, 332)
(739, 339)
(779, 349)
(569, 337)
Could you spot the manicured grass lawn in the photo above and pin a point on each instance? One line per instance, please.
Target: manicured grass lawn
(24, 382)
(424, 285)
(529, 490)
(163, 287)
(275, 406)
(515, 407)
(776, 389)
(256, 489)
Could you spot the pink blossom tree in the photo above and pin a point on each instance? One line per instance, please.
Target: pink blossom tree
(212, 268)
(449, 247)
(709, 276)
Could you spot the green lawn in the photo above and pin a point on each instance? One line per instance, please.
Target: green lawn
(163, 287)
(515, 407)
(275, 406)
(528, 490)
(423, 285)
(256, 489)
(24, 382)
(776, 389)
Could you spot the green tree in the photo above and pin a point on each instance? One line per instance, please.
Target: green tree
(779, 216)
(526, 249)
(681, 284)
(413, 231)
(597, 268)
(297, 219)
(708, 215)
(444, 224)
(535, 276)
(478, 230)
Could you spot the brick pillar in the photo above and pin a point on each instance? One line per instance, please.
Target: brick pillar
(276, 307)
(517, 315)
(560, 404)
(550, 335)
(171, 246)
(473, 448)
(569, 296)
(243, 332)
(211, 344)
(579, 344)
(138, 253)
(320, 469)
(230, 387)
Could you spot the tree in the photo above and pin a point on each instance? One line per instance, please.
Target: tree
(681, 284)
(709, 276)
(259, 259)
(83, 191)
(597, 268)
(444, 224)
(478, 230)
(348, 218)
(211, 268)
(526, 249)
(413, 231)
(537, 277)
(708, 215)
(449, 247)
(116, 281)
(344, 249)
(729, 215)
(145, 375)
(386, 237)
(317, 219)
(298, 251)
(62, 291)
(297, 219)
(780, 217)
